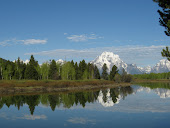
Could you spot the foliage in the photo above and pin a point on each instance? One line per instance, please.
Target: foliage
(113, 72)
(153, 76)
(126, 77)
(104, 73)
(166, 53)
(164, 21)
(53, 71)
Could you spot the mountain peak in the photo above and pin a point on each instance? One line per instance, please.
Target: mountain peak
(110, 59)
(113, 59)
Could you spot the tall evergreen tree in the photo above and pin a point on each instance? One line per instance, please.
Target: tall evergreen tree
(31, 72)
(96, 73)
(113, 72)
(53, 71)
(104, 73)
(82, 68)
(76, 71)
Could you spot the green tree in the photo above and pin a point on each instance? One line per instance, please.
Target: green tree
(164, 21)
(82, 68)
(76, 71)
(113, 72)
(68, 71)
(45, 70)
(96, 73)
(31, 72)
(53, 71)
(104, 72)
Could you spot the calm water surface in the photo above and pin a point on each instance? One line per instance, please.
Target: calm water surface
(140, 106)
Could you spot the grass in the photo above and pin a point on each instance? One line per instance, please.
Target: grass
(32, 86)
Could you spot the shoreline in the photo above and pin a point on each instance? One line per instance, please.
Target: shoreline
(23, 87)
(31, 87)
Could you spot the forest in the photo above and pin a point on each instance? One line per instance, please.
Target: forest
(153, 76)
(51, 70)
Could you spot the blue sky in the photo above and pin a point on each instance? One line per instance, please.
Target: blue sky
(81, 29)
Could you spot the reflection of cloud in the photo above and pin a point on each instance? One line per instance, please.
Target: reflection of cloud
(33, 117)
(25, 117)
(81, 120)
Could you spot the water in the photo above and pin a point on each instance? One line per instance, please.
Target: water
(145, 105)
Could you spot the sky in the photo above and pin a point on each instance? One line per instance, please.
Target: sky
(81, 29)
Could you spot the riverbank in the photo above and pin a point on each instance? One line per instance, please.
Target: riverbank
(32, 86)
(151, 81)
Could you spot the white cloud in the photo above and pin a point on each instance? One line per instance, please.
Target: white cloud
(5, 43)
(65, 33)
(83, 37)
(33, 41)
(141, 55)
(23, 42)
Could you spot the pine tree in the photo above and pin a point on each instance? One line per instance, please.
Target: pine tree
(104, 73)
(31, 72)
(76, 71)
(53, 71)
(96, 73)
(113, 72)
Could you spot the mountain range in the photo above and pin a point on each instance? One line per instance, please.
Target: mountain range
(112, 59)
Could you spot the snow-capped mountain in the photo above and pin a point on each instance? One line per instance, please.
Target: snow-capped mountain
(161, 66)
(112, 59)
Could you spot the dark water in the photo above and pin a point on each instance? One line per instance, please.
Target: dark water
(145, 105)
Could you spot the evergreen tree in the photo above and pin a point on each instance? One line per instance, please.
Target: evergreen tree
(164, 21)
(104, 73)
(76, 71)
(82, 68)
(96, 73)
(31, 72)
(113, 72)
(53, 71)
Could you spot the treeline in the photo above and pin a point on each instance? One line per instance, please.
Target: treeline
(153, 76)
(69, 70)
(65, 100)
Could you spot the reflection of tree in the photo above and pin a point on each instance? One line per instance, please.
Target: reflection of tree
(32, 101)
(65, 99)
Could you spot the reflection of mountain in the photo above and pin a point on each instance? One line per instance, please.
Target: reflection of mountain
(109, 102)
(162, 92)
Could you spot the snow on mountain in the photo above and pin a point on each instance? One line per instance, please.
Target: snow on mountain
(60, 61)
(161, 66)
(112, 59)
(133, 69)
(26, 61)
